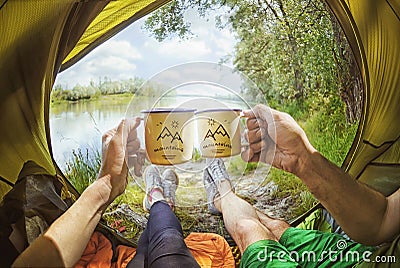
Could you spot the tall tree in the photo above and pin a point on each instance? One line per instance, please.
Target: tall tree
(349, 78)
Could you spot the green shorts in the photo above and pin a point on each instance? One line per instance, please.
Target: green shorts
(305, 248)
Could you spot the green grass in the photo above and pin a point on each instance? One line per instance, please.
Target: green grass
(196, 156)
(122, 98)
(83, 167)
(238, 167)
(290, 185)
(187, 221)
(132, 197)
(330, 135)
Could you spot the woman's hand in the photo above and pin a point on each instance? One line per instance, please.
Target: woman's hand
(119, 146)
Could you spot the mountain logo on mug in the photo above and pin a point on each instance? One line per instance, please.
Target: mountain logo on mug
(167, 133)
(219, 131)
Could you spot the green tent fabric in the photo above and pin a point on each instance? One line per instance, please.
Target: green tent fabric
(41, 37)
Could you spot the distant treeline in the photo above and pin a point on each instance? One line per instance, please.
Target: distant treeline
(104, 87)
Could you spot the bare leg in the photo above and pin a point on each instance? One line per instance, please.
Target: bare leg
(276, 226)
(244, 223)
(240, 218)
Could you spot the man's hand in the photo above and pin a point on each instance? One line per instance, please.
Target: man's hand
(119, 145)
(275, 137)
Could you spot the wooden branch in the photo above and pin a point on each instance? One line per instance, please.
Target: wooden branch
(270, 8)
(262, 47)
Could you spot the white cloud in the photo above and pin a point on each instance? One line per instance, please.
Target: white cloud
(118, 48)
(220, 41)
(114, 59)
(207, 44)
(224, 42)
(110, 66)
(182, 50)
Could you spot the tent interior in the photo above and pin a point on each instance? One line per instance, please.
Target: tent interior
(40, 38)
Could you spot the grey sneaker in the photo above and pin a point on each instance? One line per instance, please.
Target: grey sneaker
(213, 175)
(152, 180)
(216, 169)
(211, 191)
(170, 183)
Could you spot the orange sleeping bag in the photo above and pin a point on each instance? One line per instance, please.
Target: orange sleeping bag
(210, 251)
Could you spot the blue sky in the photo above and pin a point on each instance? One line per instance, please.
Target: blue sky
(133, 52)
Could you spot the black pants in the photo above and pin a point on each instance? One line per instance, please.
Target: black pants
(161, 243)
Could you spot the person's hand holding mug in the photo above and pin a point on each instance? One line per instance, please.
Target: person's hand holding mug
(269, 130)
(119, 145)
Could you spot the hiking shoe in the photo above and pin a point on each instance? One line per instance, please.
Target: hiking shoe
(211, 191)
(214, 174)
(152, 180)
(216, 169)
(170, 183)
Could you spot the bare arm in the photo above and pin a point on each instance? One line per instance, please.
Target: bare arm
(364, 214)
(66, 239)
(64, 242)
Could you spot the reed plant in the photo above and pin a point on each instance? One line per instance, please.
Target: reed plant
(83, 167)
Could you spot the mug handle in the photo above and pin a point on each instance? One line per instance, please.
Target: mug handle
(243, 141)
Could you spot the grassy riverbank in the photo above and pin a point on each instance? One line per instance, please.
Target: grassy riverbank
(122, 98)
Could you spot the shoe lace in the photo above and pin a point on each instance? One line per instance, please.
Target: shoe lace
(154, 177)
(218, 169)
(168, 191)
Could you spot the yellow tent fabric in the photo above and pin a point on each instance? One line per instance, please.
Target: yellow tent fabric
(112, 19)
(373, 30)
(36, 37)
